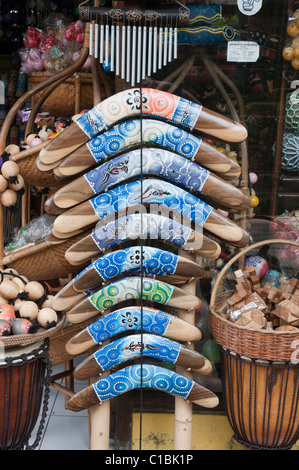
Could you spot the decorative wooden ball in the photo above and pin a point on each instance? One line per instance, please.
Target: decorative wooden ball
(5, 328)
(3, 183)
(9, 289)
(19, 184)
(254, 201)
(10, 168)
(10, 271)
(21, 283)
(3, 300)
(21, 326)
(47, 317)
(12, 149)
(29, 310)
(44, 133)
(48, 302)
(29, 138)
(9, 198)
(7, 313)
(35, 290)
(18, 303)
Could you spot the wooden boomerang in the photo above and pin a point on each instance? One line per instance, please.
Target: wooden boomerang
(145, 133)
(150, 320)
(132, 347)
(128, 260)
(130, 288)
(129, 103)
(142, 226)
(147, 376)
(151, 191)
(148, 162)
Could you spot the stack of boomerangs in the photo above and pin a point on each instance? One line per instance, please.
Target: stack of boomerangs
(135, 169)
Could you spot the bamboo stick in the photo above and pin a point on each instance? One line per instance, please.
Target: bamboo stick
(183, 409)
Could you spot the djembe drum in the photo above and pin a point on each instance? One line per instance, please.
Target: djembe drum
(259, 374)
(24, 386)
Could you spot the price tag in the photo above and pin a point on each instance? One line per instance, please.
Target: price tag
(242, 51)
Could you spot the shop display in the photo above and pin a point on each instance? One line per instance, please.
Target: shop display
(135, 191)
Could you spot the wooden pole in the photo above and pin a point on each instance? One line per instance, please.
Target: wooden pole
(183, 409)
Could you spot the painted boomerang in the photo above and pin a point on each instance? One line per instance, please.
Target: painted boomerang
(148, 162)
(132, 347)
(142, 226)
(131, 288)
(128, 260)
(151, 191)
(149, 102)
(150, 320)
(146, 376)
(145, 133)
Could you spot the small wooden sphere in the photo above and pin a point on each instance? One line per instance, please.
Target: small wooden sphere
(18, 303)
(35, 290)
(10, 168)
(3, 300)
(20, 283)
(9, 289)
(29, 310)
(48, 302)
(46, 316)
(12, 149)
(9, 198)
(18, 185)
(44, 133)
(3, 183)
(11, 272)
(30, 138)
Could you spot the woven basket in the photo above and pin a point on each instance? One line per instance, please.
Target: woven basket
(47, 262)
(62, 101)
(252, 343)
(260, 380)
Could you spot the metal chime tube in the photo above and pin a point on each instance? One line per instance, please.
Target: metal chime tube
(107, 45)
(112, 50)
(165, 46)
(155, 45)
(123, 49)
(160, 52)
(150, 45)
(96, 41)
(175, 44)
(139, 45)
(117, 58)
(128, 64)
(101, 43)
(170, 44)
(144, 52)
(133, 71)
(91, 39)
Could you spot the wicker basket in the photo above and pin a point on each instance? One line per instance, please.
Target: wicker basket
(42, 262)
(259, 344)
(62, 101)
(260, 380)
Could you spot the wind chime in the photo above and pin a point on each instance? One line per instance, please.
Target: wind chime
(134, 43)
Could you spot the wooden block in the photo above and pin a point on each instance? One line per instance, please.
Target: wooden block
(284, 313)
(252, 319)
(265, 290)
(242, 292)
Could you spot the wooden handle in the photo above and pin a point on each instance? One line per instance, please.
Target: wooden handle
(130, 347)
(92, 395)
